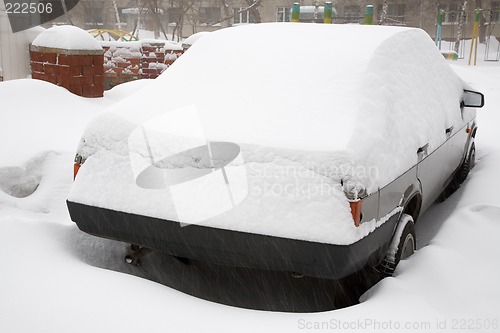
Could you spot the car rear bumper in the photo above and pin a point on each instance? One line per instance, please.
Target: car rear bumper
(233, 248)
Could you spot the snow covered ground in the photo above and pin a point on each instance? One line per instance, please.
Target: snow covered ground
(50, 280)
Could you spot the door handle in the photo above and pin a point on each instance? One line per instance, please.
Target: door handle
(422, 152)
(423, 149)
(448, 132)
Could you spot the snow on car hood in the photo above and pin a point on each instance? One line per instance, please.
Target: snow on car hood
(293, 109)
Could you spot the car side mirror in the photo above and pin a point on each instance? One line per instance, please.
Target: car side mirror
(472, 99)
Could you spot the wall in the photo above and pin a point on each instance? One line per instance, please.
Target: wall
(81, 72)
(14, 48)
(127, 61)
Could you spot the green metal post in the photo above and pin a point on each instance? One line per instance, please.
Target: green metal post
(327, 14)
(296, 12)
(439, 29)
(369, 15)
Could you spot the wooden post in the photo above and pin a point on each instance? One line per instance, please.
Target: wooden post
(369, 15)
(296, 12)
(439, 29)
(328, 13)
(475, 37)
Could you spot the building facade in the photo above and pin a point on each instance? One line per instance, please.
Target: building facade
(181, 18)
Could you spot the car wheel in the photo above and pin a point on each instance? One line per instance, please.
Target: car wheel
(402, 246)
(469, 163)
(460, 175)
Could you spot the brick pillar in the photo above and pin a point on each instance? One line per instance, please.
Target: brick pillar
(79, 71)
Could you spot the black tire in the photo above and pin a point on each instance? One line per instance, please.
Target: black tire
(402, 245)
(185, 261)
(469, 163)
(461, 174)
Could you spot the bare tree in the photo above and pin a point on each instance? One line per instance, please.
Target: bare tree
(65, 9)
(254, 11)
(383, 15)
(154, 8)
(461, 24)
(482, 21)
(117, 15)
(252, 8)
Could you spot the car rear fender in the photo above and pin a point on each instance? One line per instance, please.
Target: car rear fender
(399, 192)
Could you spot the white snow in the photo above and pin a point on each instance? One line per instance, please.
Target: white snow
(34, 117)
(297, 146)
(48, 286)
(32, 123)
(67, 37)
(169, 45)
(188, 42)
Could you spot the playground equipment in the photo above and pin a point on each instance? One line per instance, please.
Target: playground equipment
(489, 40)
(314, 14)
(296, 12)
(328, 14)
(475, 37)
(122, 35)
(302, 13)
(368, 15)
(457, 38)
(439, 29)
(456, 41)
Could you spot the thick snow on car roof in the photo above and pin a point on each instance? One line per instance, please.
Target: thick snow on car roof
(369, 91)
(292, 110)
(292, 86)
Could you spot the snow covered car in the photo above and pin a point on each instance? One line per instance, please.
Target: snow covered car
(293, 147)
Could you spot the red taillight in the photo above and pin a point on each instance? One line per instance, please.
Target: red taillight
(78, 163)
(76, 167)
(356, 211)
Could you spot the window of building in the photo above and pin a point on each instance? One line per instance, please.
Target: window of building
(174, 15)
(94, 15)
(243, 17)
(495, 6)
(452, 13)
(283, 14)
(352, 14)
(210, 15)
(123, 16)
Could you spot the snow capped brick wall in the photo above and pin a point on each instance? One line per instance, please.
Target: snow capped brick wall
(82, 74)
(122, 63)
(157, 57)
(70, 57)
(75, 68)
(128, 61)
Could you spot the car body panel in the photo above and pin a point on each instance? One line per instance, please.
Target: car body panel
(226, 247)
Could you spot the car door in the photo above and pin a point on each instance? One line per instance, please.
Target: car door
(436, 168)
